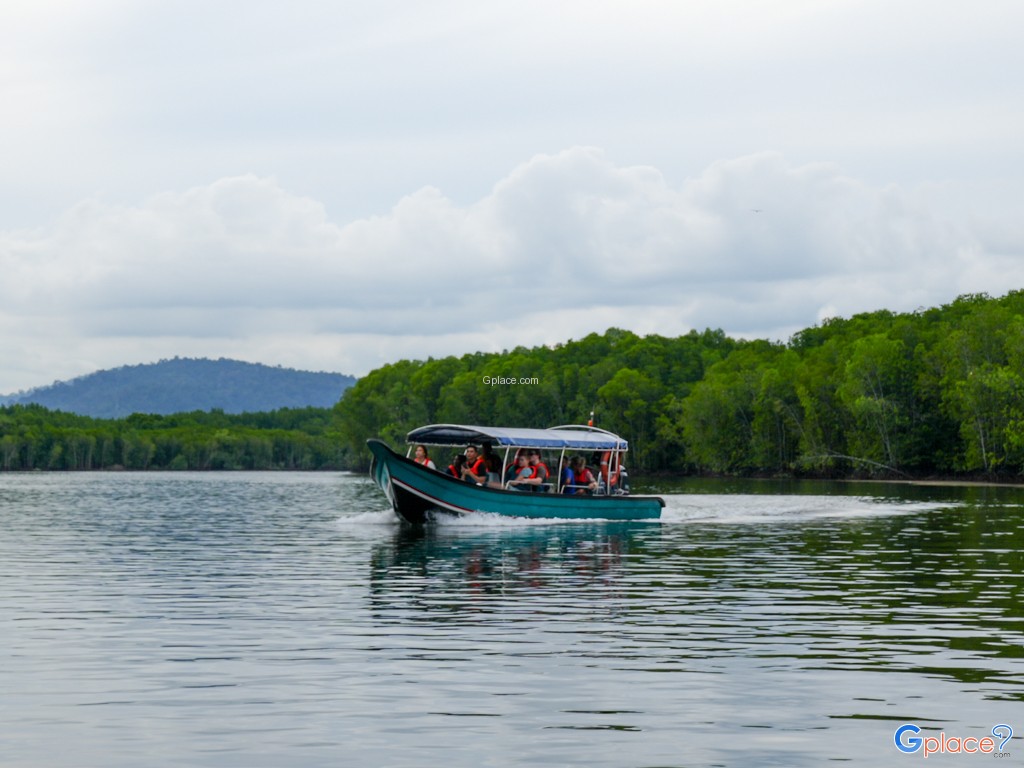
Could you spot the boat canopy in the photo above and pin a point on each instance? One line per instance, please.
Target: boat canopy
(569, 436)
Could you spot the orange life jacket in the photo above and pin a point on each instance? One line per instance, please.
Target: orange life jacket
(612, 478)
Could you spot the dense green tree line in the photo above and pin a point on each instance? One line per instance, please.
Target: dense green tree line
(937, 391)
(32, 437)
(634, 385)
(934, 392)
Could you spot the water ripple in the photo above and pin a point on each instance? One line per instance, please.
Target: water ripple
(268, 619)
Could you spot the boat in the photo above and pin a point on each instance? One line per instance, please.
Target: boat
(418, 493)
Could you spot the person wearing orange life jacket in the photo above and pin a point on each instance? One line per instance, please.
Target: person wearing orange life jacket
(583, 475)
(521, 472)
(423, 458)
(577, 479)
(455, 468)
(536, 476)
(514, 467)
(475, 470)
(541, 473)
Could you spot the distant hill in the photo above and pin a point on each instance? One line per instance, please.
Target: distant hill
(186, 384)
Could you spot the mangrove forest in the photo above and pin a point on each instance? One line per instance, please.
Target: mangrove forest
(935, 392)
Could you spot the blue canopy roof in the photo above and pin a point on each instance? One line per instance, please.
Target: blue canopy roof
(570, 436)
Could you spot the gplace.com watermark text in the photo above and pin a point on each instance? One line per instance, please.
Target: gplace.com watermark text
(509, 381)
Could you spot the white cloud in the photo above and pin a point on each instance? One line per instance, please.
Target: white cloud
(564, 245)
(355, 104)
(313, 118)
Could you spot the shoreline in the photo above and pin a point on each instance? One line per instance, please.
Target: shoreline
(937, 482)
(940, 483)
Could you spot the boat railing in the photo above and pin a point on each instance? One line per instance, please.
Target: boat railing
(594, 492)
(512, 485)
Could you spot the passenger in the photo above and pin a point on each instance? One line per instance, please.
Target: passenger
(513, 467)
(522, 473)
(493, 464)
(455, 468)
(568, 478)
(423, 458)
(583, 478)
(487, 451)
(537, 476)
(541, 473)
(474, 470)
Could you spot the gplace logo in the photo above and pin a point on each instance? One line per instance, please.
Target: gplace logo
(908, 741)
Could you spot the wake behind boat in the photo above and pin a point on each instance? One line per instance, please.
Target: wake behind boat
(416, 491)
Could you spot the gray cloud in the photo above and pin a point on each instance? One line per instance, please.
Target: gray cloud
(356, 105)
(563, 245)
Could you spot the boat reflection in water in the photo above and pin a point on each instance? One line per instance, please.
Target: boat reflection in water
(450, 568)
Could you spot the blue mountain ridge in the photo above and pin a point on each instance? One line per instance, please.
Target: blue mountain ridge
(182, 384)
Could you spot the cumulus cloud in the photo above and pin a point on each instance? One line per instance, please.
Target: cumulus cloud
(564, 245)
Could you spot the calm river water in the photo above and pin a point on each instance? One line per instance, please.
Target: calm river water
(287, 620)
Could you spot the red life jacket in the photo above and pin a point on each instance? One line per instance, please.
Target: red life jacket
(535, 471)
(479, 468)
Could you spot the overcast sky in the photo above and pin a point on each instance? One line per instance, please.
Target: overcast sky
(334, 185)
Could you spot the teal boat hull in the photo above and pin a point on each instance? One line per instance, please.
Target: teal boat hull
(416, 493)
